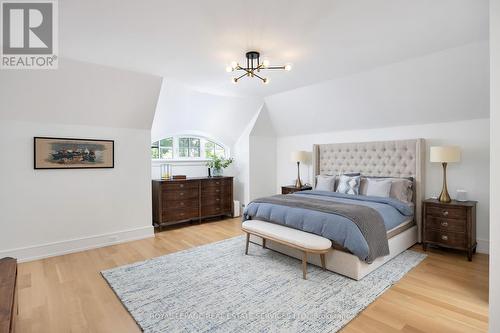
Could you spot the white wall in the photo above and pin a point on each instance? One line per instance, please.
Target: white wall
(495, 167)
(49, 212)
(471, 174)
(262, 177)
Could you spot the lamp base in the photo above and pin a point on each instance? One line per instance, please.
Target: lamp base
(298, 183)
(444, 196)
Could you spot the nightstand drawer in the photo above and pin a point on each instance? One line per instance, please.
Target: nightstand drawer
(432, 222)
(452, 239)
(447, 212)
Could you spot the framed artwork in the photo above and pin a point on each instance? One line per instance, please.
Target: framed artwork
(67, 153)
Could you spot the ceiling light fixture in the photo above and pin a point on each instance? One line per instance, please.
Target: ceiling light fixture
(253, 67)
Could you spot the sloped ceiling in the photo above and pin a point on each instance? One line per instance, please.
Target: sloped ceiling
(445, 86)
(192, 41)
(79, 93)
(182, 110)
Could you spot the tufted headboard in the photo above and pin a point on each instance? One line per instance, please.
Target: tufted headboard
(399, 158)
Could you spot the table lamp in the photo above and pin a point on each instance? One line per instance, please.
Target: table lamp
(299, 156)
(445, 155)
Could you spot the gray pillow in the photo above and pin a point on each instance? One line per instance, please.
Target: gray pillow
(349, 184)
(401, 188)
(325, 183)
(378, 187)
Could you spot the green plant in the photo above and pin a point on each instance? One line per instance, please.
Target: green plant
(219, 163)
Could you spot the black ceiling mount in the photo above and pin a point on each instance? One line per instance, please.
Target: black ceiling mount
(253, 67)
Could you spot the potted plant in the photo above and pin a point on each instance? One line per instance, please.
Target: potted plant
(218, 164)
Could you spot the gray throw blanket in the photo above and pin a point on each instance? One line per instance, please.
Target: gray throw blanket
(367, 219)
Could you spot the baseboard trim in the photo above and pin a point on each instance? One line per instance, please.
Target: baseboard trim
(483, 246)
(30, 253)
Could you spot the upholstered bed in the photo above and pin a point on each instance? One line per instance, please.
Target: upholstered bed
(399, 159)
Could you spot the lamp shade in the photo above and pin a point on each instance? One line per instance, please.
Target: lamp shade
(299, 156)
(445, 154)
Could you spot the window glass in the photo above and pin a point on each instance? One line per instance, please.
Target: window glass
(186, 147)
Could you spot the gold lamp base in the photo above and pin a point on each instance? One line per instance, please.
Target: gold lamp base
(298, 183)
(444, 196)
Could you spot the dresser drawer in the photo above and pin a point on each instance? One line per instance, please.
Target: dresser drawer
(179, 214)
(211, 210)
(447, 212)
(212, 190)
(212, 183)
(181, 194)
(447, 238)
(181, 204)
(177, 186)
(440, 223)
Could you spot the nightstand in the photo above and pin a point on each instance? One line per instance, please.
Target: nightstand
(451, 225)
(292, 189)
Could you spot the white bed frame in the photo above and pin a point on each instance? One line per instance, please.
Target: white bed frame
(401, 158)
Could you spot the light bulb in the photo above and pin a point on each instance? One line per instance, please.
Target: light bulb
(265, 63)
(234, 64)
(234, 80)
(229, 69)
(266, 80)
(288, 67)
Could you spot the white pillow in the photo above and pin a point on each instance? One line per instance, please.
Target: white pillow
(378, 187)
(325, 183)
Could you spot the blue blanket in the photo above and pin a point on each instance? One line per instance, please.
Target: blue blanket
(339, 229)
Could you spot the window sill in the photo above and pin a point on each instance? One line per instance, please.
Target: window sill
(200, 161)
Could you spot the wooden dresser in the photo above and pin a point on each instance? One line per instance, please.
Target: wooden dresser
(451, 225)
(177, 201)
(8, 294)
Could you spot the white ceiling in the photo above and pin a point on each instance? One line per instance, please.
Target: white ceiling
(192, 41)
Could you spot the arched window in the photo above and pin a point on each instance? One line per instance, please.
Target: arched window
(186, 147)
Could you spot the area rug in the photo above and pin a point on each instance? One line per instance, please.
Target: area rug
(217, 288)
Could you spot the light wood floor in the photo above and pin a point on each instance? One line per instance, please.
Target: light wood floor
(445, 293)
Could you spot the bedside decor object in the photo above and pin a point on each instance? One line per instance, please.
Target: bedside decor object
(217, 165)
(445, 155)
(299, 156)
(451, 225)
(67, 153)
(461, 195)
(292, 189)
(254, 67)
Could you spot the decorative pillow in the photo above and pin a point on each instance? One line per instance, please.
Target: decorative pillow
(378, 187)
(325, 183)
(402, 189)
(350, 174)
(349, 184)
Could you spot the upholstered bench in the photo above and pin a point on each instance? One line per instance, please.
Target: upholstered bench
(304, 241)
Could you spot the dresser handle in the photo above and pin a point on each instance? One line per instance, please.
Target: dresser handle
(445, 213)
(217, 199)
(444, 237)
(181, 185)
(181, 193)
(444, 224)
(216, 190)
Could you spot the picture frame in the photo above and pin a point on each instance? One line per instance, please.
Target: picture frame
(72, 153)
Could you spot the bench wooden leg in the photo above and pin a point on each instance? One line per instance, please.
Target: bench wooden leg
(248, 241)
(263, 243)
(304, 265)
(323, 261)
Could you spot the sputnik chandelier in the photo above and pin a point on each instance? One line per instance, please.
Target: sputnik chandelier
(254, 67)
